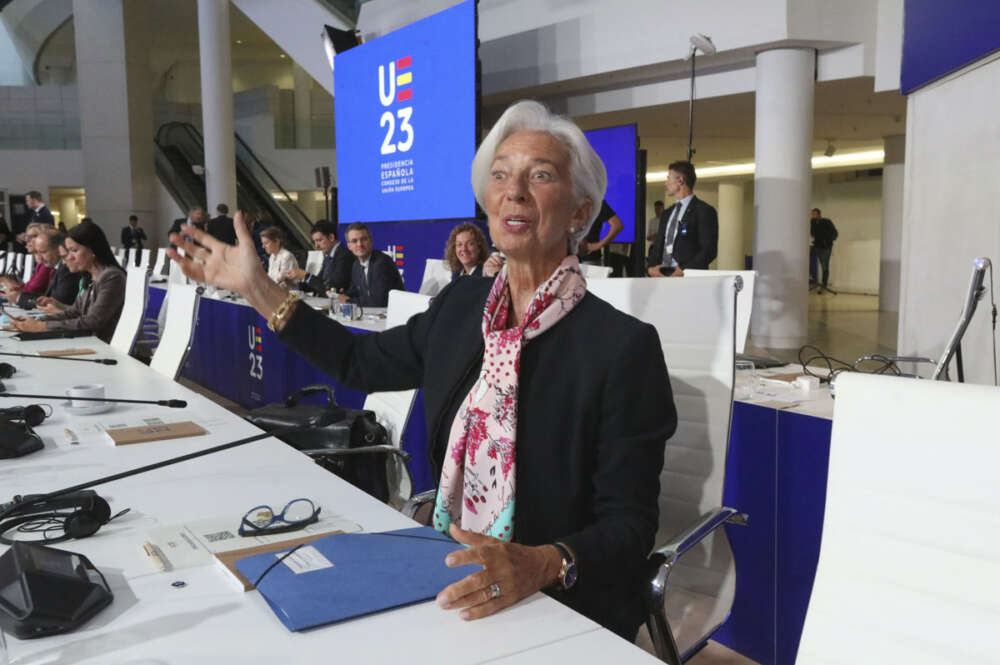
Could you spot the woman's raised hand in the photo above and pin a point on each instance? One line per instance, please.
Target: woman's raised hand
(210, 261)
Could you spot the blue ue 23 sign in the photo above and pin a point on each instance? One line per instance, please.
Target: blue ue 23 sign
(405, 108)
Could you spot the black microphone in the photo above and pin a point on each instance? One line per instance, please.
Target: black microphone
(102, 361)
(172, 403)
(21, 504)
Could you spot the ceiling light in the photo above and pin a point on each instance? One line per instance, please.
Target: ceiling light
(281, 55)
(239, 41)
(840, 160)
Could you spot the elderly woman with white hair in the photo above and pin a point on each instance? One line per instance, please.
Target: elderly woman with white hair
(547, 409)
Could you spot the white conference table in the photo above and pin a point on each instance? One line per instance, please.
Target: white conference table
(207, 620)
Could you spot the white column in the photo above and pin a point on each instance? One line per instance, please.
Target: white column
(217, 102)
(116, 111)
(730, 225)
(303, 107)
(782, 187)
(892, 223)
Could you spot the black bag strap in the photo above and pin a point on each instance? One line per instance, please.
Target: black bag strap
(293, 399)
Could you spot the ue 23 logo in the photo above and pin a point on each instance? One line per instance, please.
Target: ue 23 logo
(398, 88)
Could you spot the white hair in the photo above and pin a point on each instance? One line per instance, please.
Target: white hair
(590, 179)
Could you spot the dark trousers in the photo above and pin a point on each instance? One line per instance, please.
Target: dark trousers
(823, 257)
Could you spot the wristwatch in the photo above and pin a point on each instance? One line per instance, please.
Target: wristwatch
(568, 574)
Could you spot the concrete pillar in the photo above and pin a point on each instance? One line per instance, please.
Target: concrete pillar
(892, 223)
(730, 225)
(782, 189)
(116, 112)
(303, 108)
(214, 46)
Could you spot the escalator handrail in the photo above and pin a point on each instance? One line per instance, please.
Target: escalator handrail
(196, 137)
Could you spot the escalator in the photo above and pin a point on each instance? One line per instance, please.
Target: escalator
(180, 147)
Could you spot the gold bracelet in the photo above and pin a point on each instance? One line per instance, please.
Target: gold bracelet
(278, 318)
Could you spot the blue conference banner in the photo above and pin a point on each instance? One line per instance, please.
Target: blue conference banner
(405, 108)
(941, 37)
(617, 146)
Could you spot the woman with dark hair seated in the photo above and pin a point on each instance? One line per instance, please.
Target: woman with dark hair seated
(96, 309)
(466, 251)
(549, 464)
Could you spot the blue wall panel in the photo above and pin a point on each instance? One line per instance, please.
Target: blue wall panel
(940, 37)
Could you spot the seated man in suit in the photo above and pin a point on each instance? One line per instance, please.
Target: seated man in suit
(64, 286)
(335, 275)
(689, 230)
(373, 275)
(221, 227)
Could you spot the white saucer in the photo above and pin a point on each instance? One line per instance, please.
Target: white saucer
(90, 409)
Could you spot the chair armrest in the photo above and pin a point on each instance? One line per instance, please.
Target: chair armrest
(699, 530)
(418, 501)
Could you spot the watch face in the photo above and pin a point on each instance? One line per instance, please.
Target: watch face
(569, 579)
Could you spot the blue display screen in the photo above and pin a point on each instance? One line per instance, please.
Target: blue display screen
(940, 37)
(617, 146)
(405, 108)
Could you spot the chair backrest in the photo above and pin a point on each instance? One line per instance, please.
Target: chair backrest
(176, 275)
(118, 254)
(130, 321)
(744, 303)
(182, 301)
(595, 272)
(314, 262)
(910, 551)
(161, 262)
(392, 409)
(437, 275)
(695, 320)
(143, 258)
(29, 267)
(19, 262)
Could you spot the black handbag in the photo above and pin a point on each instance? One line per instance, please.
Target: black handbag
(355, 446)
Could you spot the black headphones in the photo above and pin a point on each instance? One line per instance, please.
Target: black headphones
(89, 512)
(6, 370)
(32, 415)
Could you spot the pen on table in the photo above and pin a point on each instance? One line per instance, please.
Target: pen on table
(153, 553)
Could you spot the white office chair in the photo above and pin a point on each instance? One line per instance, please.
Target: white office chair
(314, 262)
(693, 590)
(181, 303)
(29, 267)
(910, 553)
(118, 251)
(130, 321)
(18, 268)
(176, 275)
(161, 263)
(595, 272)
(744, 303)
(437, 275)
(144, 258)
(392, 409)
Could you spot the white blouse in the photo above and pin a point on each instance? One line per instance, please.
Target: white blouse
(278, 264)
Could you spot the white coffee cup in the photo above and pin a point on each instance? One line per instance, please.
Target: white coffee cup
(89, 390)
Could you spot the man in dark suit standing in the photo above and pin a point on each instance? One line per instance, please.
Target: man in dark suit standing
(689, 230)
(40, 214)
(373, 275)
(196, 216)
(335, 275)
(221, 227)
(133, 237)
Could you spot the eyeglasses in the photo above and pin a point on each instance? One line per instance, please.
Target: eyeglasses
(263, 521)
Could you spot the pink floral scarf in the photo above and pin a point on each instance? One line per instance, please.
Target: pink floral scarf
(477, 479)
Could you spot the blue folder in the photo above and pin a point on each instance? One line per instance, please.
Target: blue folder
(370, 572)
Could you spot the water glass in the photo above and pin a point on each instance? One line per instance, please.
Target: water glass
(745, 380)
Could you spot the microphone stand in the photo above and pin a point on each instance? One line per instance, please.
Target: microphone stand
(102, 361)
(19, 504)
(172, 403)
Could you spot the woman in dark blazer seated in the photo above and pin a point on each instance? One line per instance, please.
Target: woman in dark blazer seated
(549, 464)
(96, 309)
(466, 251)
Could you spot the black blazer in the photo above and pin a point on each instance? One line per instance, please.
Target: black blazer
(335, 273)
(133, 238)
(382, 278)
(589, 446)
(697, 239)
(65, 285)
(42, 216)
(221, 228)
(477, 272)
